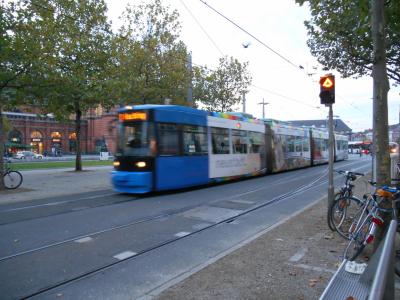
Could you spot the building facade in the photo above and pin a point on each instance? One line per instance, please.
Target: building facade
(45, 135)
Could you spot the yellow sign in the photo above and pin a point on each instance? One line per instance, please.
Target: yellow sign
(327, 83)
(133, 116)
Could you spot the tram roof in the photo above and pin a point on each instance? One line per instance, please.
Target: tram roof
(162, 107)
(178, 108)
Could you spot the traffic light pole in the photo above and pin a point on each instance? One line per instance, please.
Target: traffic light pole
(331, 158)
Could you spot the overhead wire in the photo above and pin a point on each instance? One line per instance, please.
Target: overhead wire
(288, 98)
(271, 49)
(251, 35)
(202, 28)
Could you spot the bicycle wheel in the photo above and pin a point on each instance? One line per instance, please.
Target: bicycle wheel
(329, 219)
(344, 213)
(356, 244)
(12, 179)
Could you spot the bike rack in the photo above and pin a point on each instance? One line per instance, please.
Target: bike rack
(377, 280)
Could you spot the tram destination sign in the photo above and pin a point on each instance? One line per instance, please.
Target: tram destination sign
(133, 116)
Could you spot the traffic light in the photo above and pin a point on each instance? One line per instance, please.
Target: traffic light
(327, 94)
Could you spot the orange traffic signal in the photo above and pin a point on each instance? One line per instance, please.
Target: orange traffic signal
(327, 85)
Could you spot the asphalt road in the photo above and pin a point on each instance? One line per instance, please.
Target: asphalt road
(104, 245)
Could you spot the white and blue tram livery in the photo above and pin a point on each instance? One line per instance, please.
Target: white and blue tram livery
(165, 147)
(235, 146)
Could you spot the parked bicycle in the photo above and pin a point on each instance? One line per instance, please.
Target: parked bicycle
(340, 211)
(363, 230)
(12, 179)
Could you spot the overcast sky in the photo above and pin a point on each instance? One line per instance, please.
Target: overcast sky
(292, 93)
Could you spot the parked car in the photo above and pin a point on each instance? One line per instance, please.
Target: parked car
(28, 155)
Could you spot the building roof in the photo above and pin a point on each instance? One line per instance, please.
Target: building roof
(338, 124)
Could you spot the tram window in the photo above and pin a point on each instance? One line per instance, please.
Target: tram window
(194, 140)
(255, 142)
(290, 143)
(326, 146)
(168, 141)
(134, 138)
(283, 140)
(220, 140)
(239, 141)
(321, 144)
(305, 145)
(298, 144)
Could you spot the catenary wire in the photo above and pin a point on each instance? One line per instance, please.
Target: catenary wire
(202, 28)
(251, 35)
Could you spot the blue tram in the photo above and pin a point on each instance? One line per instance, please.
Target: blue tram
(163, 147)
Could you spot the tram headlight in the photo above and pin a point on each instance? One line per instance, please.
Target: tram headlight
(116, 163)
(140, 164)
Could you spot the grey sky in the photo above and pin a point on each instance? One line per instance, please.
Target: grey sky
(290, 92)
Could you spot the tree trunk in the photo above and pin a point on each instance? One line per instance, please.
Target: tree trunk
(381, 167)
(380, 90)
(78, 116)
(1, 150)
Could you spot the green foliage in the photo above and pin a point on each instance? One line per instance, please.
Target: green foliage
(22, 55)
(222, 89)
(80, 37)
(340, 36)
(150, 60)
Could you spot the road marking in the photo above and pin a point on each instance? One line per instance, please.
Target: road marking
(124, 255)
(57, 203)
(242, 201)
(182, 234)
(84, 240)
(299, 255)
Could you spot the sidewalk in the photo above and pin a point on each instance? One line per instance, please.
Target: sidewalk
(39, 184)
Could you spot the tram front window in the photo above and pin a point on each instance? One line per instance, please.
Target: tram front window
(136, 139)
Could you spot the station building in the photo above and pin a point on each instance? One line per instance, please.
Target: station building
(45, 135)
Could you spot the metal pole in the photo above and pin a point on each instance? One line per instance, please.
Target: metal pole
(263, 103)
(190, 85)
(263, 109)
(331, 153)
(244, 101)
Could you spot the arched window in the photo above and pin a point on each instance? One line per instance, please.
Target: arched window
(15, 136)
(55, 135)
(36, 135)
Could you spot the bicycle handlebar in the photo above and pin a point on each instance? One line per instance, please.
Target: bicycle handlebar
(349, 173)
